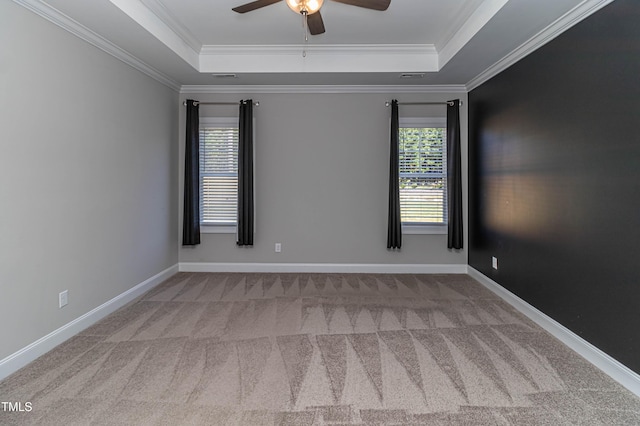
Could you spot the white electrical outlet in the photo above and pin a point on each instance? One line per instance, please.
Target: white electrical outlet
(494, 262)
(278, 247)
(63, 298)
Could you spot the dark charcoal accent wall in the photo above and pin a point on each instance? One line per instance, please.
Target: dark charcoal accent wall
(555, 179)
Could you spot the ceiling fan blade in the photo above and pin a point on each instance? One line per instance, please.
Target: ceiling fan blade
(315, 23)
(254, 5)
(368, 4)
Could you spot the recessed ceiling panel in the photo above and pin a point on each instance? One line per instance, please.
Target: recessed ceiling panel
(404, 22)
(454, 42)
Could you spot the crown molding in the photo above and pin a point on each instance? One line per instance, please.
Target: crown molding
(318, 58)
(327, 89)
(469, 29)
(68, 24)
(562, 24)
(325, 49)
(174, 25)
(158, 28)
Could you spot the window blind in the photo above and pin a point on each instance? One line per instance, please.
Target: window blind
(423, 175)
(218, 175)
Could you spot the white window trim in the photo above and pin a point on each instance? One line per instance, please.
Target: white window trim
(423, 122)
(415, 228)
(226, 122)
(218, 229)
(430, 229)
(218, 122)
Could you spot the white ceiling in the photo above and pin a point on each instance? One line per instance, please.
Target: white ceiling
(186, 42)
(213, 22)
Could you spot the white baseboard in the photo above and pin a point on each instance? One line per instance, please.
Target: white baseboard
(344, 268)
(19, 359)
(610, 366)
(616, 370)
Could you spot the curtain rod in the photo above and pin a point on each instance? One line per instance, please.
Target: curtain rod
(218, 103)
(387, 103)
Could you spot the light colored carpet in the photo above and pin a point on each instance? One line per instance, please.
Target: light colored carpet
(312, 349)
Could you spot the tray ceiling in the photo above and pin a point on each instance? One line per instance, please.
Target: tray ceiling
(194, 42)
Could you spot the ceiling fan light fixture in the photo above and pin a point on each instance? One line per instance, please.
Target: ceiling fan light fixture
(308, 7)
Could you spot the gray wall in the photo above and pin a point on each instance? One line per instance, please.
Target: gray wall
(321, 163)
(88, 177)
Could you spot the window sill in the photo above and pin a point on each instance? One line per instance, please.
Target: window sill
(424, 229)
(217, 229)
(406, 229)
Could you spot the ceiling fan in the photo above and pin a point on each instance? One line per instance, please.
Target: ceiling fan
(310, 9)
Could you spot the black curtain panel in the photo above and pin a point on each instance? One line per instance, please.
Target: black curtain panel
(245, 175)
(191, 216)
(394, 232)
(454, 176)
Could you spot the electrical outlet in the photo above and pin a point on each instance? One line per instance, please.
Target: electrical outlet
(278, 247)
(494, 262)
(63, 298)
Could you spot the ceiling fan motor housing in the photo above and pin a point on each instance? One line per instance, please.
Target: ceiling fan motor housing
(308, 7)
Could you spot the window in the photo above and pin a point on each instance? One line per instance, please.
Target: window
(423, 174)
(218, 173)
